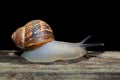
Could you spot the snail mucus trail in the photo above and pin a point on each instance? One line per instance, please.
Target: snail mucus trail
(37, 40)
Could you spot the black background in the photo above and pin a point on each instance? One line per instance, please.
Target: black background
(71, 24)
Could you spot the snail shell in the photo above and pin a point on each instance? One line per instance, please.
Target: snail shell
(34, 34)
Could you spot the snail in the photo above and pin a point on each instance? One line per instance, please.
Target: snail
(37, 41)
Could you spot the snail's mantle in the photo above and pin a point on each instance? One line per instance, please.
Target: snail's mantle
(98, 66)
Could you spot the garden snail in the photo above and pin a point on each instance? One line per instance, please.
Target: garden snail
(37, 40)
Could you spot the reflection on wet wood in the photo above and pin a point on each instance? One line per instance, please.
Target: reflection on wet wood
(98, 66)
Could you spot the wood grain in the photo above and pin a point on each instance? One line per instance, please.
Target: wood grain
(98, 66)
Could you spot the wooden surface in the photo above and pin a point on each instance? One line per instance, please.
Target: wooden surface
(98, 66)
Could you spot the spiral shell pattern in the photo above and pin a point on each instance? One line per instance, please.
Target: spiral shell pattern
(34, 34)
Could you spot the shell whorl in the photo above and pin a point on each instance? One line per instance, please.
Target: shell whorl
(32, 35)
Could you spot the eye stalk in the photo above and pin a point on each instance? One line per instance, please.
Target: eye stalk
(89, 45)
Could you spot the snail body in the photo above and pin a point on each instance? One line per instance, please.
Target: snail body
(55, 50)
(37, 40)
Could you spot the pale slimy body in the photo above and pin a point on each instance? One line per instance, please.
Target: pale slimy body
(55, 50)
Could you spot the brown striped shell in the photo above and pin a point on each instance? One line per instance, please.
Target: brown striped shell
(34, 34)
